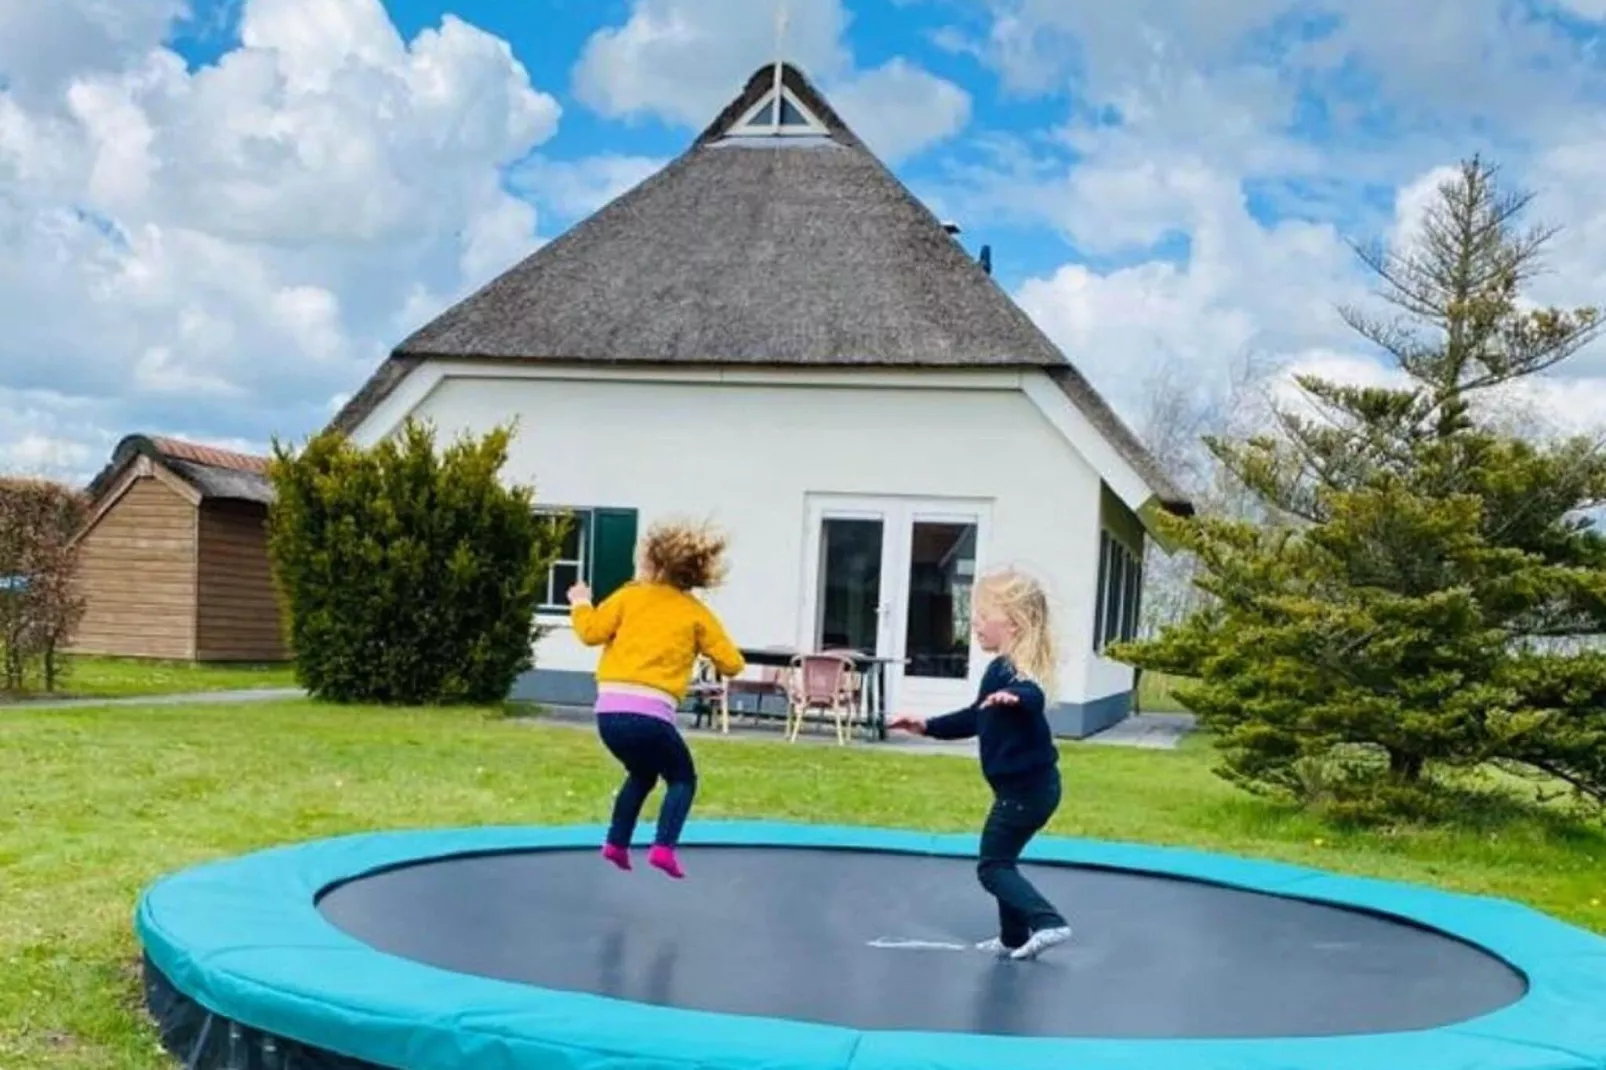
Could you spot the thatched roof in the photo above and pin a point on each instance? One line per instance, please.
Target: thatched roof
(214, 473)
(755, 251)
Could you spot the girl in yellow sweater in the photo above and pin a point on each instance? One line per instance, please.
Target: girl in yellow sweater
(652, 631)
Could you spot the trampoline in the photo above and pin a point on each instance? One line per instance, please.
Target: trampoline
(807, 948)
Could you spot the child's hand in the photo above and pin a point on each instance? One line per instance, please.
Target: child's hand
(912, 725)
(579, 593)
(1001, 698)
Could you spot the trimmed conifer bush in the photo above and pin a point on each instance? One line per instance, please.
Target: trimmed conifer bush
(408, 574)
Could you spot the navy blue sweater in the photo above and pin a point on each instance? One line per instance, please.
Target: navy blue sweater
(1015, 741)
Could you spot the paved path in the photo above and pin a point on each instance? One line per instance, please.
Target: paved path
(260, 694)
(1151, 731)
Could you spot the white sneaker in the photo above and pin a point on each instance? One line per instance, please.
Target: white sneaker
(995, 946)
(1041, 941)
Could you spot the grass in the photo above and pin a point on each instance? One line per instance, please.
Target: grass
(101, 801)
(107, 677)
(1154, 693)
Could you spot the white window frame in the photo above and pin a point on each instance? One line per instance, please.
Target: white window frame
(749, 126)
(556, 602)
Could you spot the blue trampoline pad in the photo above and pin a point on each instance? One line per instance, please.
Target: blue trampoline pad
(806, 947)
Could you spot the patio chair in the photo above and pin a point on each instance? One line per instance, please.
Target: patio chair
(820, 683)
(855, 683)
(710, 695)
(771, 680)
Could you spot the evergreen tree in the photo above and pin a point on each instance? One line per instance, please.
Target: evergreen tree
(1409, 607)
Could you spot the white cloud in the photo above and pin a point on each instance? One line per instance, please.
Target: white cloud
(226, 247)
(577, 188)
(1547, 404)
(1489, 58)
(900, 109)
(1206, 118)
(1589, 9)
(1243, 291)
(51, 435)
(683, 60)
(46, 46)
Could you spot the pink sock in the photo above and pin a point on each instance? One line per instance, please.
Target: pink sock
(664, 859)
(619, 856)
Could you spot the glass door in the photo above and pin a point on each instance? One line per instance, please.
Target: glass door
(849, 616)
(939, 570)
(893, 577)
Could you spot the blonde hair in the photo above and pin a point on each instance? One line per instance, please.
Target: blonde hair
(684, 555)
(1022, 600)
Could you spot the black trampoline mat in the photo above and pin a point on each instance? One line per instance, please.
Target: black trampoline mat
(833, 936)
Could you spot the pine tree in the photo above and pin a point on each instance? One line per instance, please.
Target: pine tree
(1409, 608)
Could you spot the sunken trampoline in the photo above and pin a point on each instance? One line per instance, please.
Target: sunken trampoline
(804, 948)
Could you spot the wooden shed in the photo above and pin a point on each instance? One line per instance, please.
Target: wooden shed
(173, 561)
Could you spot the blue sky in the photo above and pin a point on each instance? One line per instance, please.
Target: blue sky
(225, 213)
(548, 37)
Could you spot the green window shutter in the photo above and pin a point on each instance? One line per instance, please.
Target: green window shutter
(613, 550)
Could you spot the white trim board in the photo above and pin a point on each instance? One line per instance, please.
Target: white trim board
(1058, 409)
(749, 126)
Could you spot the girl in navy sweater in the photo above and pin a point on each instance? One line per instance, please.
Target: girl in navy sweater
(1018, 756)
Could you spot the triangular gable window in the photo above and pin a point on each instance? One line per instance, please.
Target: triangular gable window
(795, 118)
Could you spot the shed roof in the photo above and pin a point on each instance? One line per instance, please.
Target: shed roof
(757, 247)
(214, 473)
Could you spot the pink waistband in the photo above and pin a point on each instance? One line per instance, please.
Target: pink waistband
(631, 702)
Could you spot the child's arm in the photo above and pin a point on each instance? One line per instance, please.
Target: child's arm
(714, 642)
(594, 625)
(961, 724)
(1022, 694)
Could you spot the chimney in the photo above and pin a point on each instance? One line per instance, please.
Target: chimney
(987, 259)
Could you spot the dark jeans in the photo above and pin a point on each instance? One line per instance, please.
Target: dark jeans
(648, 748)
(1017, 815)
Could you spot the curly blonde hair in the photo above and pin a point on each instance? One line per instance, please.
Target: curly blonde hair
(684, 555)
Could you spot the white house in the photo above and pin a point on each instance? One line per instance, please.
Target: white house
(773, 333)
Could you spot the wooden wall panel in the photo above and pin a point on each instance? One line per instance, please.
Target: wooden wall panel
(137, 574)
(238, 609)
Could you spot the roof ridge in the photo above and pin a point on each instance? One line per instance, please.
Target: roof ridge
(211, 456)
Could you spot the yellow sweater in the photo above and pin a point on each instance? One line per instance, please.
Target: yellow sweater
(651, 636)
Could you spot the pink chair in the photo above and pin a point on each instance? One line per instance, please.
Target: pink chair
(855, 681)
(820, 683)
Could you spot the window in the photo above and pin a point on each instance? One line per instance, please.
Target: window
(573, 562)
(1119, 594)
(599, 548)
(795, 118)
(791, 115)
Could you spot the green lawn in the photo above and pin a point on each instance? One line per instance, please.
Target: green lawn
(101, 677)
(1154, 694)
(98, 802)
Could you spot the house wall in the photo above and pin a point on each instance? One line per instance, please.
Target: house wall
(237, 611)
(746, 454)
(137, 575)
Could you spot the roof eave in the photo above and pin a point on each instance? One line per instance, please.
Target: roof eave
(1081, 393)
